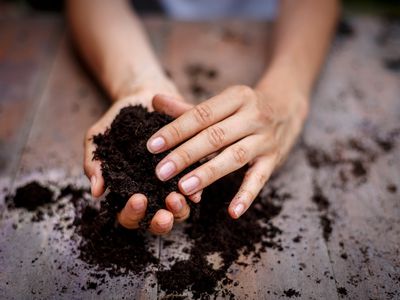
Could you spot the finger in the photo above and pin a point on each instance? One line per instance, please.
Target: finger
(192, 122)
(177, 205)
(92, 167)
(172, 106)
(253, 182)
(196, 197)
(206, 142)
(133, 212)
(229, 160)
(162, 222)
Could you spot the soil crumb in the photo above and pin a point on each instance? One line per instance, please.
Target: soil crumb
(323, 204)
(291, 293)
(342, 291)
(30, 196)
(344, 29)
(392, 64)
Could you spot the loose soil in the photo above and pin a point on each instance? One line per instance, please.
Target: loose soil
(127, 166)
(31, 196)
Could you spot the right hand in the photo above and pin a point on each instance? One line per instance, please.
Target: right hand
(135, 208)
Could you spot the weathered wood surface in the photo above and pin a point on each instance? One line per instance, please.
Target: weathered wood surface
(357, 99)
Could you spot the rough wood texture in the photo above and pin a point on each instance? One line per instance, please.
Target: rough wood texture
(354, 109)
(27, 50)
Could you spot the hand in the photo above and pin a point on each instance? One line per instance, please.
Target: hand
(135, 208)
(251, 126)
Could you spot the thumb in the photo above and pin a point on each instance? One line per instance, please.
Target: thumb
(170, 105)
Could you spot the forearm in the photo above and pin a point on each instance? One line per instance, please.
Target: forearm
(112, 41)
(302, 37)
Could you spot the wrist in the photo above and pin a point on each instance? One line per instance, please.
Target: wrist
(150, 85)
(289, 97)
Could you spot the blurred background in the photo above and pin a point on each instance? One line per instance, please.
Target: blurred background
(381, 7)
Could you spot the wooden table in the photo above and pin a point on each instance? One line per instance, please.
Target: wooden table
(47, 101)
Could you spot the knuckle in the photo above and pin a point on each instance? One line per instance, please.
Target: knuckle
(245, 91)
(261, 178)
(202, 113)
(184, 156)
(216, 136)
(265, 113)
(211, 171)
(174, 132)
(240, 154)
(246, 195)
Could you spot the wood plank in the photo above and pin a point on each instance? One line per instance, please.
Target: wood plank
(358, 99)
(70, 104)
(354, 110)
(27, 50)
(239, 55)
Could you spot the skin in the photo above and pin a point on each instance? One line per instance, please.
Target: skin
(271, 114)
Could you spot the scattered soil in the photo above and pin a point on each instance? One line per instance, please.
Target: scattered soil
(107, 246)
(30, 196)
(344, 29)
(127, 166)
(291, 293)
(199, 76)
(213, 231)
(342, 291)
(323, 205)
(392, 64)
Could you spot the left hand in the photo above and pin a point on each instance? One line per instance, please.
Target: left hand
(251, 126)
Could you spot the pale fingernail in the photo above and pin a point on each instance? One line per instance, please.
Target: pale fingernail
(196, 197)
(176, 205)
(156, 144)
(138, 205)
(166, 170)
(163, 221)
(93, 181)
(239, 210)
(190, 184)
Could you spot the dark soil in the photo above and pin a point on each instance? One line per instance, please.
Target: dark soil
(213, 231)
(392, 64)
(199, 76)
(344, 29)
(108, 246)
(31, 196)
(127, 166)
(342, 291)
(291, 293)
(323, 205)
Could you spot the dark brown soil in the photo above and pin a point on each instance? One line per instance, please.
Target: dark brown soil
(127, 166)
(344, 29)
(392, 64)
(291, 293)
(31, 196)
(213, 231)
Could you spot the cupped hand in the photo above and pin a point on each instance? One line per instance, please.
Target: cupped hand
(135, 208)
(241, 126)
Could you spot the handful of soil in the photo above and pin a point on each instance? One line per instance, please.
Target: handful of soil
(127, 166)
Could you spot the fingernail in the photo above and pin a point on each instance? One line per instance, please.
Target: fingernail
(93, 181)
(190, 184)
(196, 197)
(239, 210)
(176, 205)
(166, 170)
(138, 205)
(156, 144)
(163, 221)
